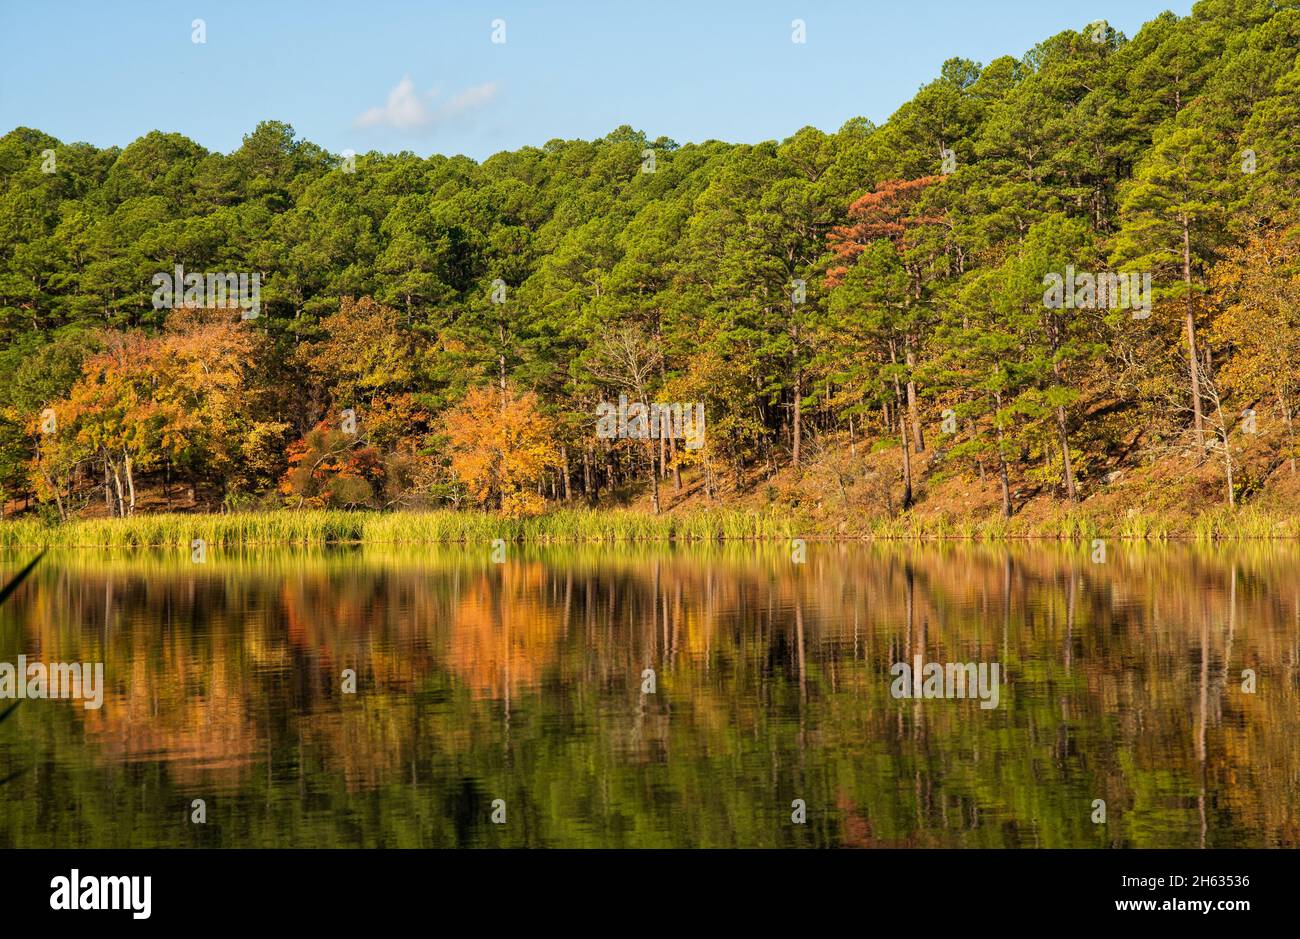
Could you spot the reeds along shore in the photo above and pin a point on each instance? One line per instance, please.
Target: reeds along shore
(611, 525)
(340, 527)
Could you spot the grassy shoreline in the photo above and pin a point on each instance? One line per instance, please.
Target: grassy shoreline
(436, 527)
(614, 526)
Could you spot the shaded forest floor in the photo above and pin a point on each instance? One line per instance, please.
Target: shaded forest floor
(847, 491)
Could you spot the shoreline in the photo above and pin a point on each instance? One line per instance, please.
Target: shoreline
(618, 526)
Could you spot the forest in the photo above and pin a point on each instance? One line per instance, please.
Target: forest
(1041, 278)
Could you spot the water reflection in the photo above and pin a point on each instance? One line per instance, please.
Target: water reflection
(524, 681)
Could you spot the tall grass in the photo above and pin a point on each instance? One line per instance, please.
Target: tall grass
(336, 527)
(612, 526)
(1139, 526)
(1076, 524)
(1249, 523)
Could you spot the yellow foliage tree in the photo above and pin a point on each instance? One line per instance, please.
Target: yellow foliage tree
(1256, 289)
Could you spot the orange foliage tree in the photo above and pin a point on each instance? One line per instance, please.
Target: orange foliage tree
(501, 445)
(187, 396)
(889, 211)
(330, 467)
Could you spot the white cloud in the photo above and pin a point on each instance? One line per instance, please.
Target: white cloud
(409, 110)
(403, 111)
(471, 99)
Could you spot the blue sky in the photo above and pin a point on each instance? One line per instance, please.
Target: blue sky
(426, 76)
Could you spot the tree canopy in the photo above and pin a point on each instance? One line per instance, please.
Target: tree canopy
(442, 330)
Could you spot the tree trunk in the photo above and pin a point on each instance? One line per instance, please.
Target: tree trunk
(654, 477)
(907, 454)
(797, 430)
(798, 418)
(1227, 467)
(1290, 428)
(1006, 488)
(918, 439)
(1071, 493)
(108, 489)
(1222, 433)
(117, 486)
(902, 436)
(1002, 464)
(58, 498)
(1193, 357)
(130, 481)
(501, 360)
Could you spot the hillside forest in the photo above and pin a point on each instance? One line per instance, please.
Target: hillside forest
(1042, 278)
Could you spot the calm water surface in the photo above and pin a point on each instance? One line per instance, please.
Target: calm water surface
(524, 681)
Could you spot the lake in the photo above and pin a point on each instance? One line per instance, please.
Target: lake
(659, 696)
